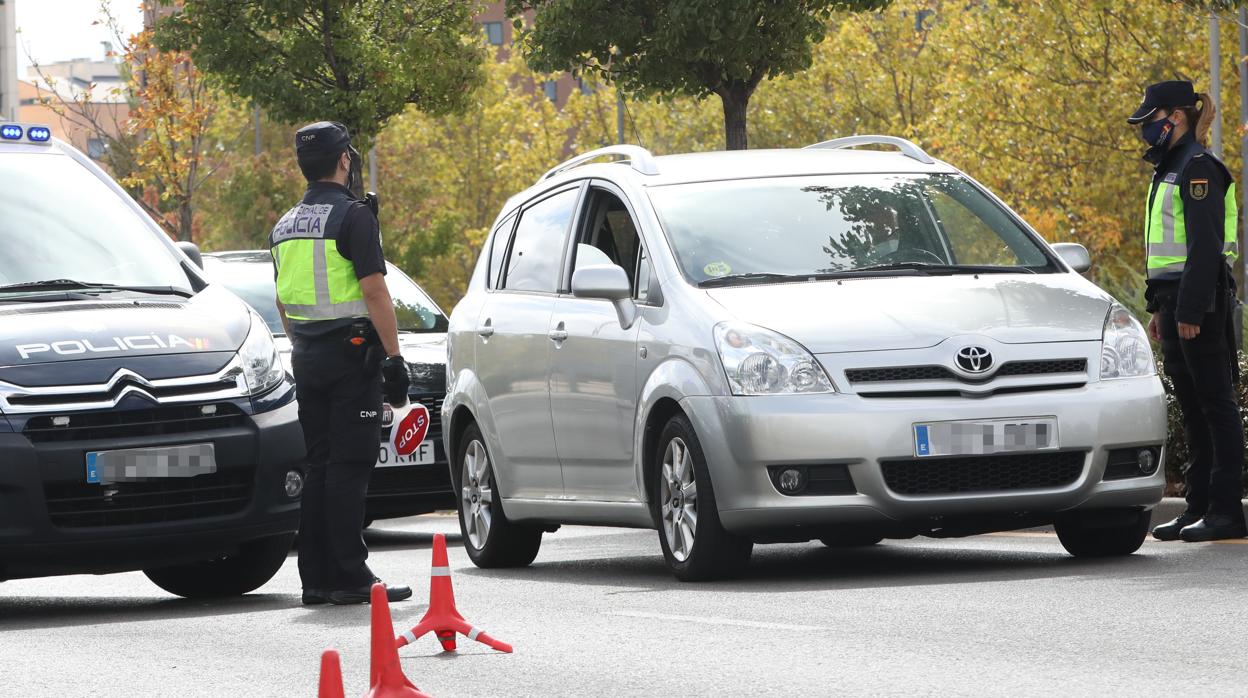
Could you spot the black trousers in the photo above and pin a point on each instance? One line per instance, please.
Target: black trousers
(1202, 371)
(339, 392)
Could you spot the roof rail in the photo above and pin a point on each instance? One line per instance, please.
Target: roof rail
(639, 158)
(907, 148)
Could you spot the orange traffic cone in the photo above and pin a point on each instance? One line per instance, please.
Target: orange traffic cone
(331, 676)
(442, 618)
(386, 676)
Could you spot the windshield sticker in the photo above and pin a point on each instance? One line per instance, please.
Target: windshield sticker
(717, 269)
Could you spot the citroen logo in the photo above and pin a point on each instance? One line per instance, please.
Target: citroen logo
(974, 359)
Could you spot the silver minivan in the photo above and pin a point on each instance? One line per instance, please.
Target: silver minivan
(779, 346)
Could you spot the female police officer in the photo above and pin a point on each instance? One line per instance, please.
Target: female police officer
(1190, 230)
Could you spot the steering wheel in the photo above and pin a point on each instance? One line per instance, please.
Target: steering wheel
(912, 254)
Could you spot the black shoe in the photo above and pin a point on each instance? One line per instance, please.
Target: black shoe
(315, 597)
(346, 597)
(1170, 530)
(1215, 527)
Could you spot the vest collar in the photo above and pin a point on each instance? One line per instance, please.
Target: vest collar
(315, 188)
(1177, 153)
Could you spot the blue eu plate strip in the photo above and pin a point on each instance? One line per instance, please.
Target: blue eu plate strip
(93, 473)
(922, 445)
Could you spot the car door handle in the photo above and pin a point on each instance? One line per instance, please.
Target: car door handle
(558, 334)
(486, 330)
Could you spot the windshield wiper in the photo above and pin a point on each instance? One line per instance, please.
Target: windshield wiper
(927, 267)
(63, 284)
(748, 276)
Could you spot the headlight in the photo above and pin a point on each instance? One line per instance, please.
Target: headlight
(262, 367)
(762, 362)
(1125, 351)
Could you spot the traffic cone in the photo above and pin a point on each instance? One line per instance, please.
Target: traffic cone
(331, 676)
(386, 679)
(442, 618)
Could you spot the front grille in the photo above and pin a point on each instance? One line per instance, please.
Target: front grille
(114, 393)
(82, 505)
(120, 424)
(940, 373)
(396, 482)
(995, 473)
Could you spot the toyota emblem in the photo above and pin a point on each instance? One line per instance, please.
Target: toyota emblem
(974, 359)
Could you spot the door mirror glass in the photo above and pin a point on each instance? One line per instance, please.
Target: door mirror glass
(1074, 255)
(605, 281)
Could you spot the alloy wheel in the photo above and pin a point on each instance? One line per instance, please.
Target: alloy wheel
(678, 492)
(477, 494)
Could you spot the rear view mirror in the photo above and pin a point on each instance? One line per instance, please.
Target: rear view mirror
(191, 250)
(607, 282)
(1074, 255)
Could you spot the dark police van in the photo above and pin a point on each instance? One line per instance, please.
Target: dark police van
(146, 420)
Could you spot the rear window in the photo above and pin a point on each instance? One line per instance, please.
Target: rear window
(59, 221)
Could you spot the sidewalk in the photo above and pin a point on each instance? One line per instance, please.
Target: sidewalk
(1169, 508)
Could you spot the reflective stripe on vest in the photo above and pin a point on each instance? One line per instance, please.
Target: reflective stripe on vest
(314, 282)
(1166, 230)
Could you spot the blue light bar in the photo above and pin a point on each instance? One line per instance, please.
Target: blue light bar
(11, 132)
(39, 134)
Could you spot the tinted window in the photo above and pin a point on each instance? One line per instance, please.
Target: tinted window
(59, 221)
(537, 250)
(839, 223)
(609, 228)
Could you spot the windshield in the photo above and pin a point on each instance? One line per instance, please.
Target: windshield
(250, 277)
(59, 221)
(840, 225)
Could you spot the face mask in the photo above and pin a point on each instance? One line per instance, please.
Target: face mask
(1157, 133)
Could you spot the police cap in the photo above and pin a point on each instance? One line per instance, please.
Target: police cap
(320, 139)
(1164, 95)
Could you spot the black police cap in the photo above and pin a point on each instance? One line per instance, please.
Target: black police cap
(321, 138)
(1164, 95)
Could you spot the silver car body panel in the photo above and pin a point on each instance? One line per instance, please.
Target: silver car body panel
(557, 459)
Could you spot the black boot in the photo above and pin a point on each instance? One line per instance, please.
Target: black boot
(1215, 527)
(344, 597)
(1170, 529)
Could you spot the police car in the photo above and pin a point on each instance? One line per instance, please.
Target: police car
(146, 421)
(401, 485)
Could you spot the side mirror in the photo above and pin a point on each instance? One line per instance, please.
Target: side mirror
(191, 250)
(607, 282)
(1074, 255)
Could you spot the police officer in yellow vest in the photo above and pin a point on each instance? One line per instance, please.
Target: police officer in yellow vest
(1190, 230)
(331, 291)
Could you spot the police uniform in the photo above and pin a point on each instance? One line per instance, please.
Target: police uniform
(321, 249)
(1191, 233)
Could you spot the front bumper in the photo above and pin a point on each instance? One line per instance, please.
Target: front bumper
(741, 436)
(52, 522)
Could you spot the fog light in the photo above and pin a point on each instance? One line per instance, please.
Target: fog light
(1147, 461)
(791, 480)
(294, 484)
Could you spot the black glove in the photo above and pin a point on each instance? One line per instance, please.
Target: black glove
(394, 381)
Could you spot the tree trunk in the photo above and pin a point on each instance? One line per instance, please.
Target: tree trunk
(186, 220)
(736, 99)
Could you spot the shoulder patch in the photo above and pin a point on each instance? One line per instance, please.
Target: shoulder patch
(1198, 189)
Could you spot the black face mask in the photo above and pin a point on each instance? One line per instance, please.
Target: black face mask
(352, 166)
(1157, 135)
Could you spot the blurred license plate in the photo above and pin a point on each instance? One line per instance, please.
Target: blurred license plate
(975, 438)
(138, 464)
(421, 456)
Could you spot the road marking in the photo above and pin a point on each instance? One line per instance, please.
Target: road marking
(712, 620)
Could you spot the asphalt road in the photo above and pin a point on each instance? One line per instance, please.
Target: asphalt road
(597, 614)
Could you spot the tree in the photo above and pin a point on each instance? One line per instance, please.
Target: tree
(359, 62)
(669, 48)
(161, 153)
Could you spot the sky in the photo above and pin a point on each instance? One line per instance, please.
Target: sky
(57, 30)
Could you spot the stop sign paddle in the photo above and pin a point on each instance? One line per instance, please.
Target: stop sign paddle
(411, 425)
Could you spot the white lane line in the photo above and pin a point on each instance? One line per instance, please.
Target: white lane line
(712, 620)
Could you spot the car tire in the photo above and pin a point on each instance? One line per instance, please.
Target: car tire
(490, 539)
(685, 509)
(247, 569)
(851, 541)
(1082, 535)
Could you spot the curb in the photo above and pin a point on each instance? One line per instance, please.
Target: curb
(1169, 508)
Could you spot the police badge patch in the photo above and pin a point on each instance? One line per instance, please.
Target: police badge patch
(1198, 188)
